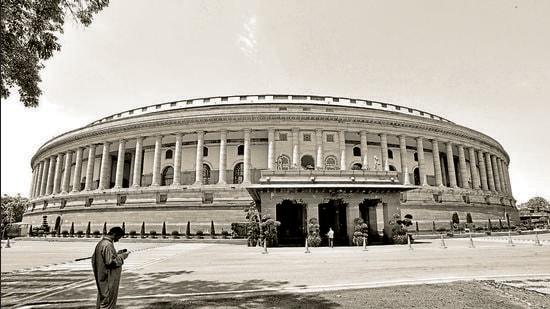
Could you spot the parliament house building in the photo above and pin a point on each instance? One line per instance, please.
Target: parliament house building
(297, 157)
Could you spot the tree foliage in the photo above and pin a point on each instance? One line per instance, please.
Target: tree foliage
(536, 203)
(29, 33)
(13, 208)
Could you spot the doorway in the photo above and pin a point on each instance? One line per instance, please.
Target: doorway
(367, 211)
(332, 214)
(292, 216)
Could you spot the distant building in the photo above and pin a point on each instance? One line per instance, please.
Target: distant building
(297, 156)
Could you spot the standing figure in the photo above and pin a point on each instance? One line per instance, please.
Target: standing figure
(330, 235)
(107, 266)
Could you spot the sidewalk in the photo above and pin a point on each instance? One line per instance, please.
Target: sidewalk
(180, 270)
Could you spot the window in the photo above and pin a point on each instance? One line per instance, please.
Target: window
(282, 108)
(206, 174)
(169, 154)
(331, 163)
(240, 150)
(167, 177)
(390, 154)
(307, 162)
(356, 151)
(283, 162)
(205, 151)
(307, 137)
(416, 156)
(283, 137)
(356, 166)
(238, 172)
(392, 168)
(330, 138)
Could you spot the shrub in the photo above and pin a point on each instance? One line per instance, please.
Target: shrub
(360, 231)
(200, 234)
(80, 234)
(399, 228)
(225, 234)
(132, 234)
(65, 233)
(175, 233)
(313, 233)
(238, 230)
(96, 233)
(153, 233)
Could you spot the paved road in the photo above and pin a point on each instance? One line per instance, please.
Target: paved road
(45, 273)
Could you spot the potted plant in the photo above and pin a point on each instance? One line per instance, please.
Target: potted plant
(200, 234)
(360, 232)
(399, 229)
(313, 233)
(175, 234)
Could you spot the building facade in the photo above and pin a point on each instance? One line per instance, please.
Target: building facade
(298, 157)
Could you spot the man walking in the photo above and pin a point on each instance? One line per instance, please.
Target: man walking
(107, 265)
(330, 235)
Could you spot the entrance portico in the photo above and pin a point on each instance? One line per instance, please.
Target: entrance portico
(295, 197)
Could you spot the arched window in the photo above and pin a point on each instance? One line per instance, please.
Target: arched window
(356, 151)
(205, 151)
(240, 150)
(390, 154)
(283, 162)
(356, 166)
(331, 163)
(392, 168)
(169, 154)
(167, 177)
(238, 172)
(307, 162)
(416, 156)
(206, 173)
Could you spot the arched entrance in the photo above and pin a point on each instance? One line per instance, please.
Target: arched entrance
(307, 162)
(332, 214)
(292, 216)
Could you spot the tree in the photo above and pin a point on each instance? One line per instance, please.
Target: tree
(12, 211)
(536, 203)
(13, 208)
(29, 33)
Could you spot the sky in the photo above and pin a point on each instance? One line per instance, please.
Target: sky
(480, 64)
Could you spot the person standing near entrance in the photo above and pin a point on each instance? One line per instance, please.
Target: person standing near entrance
(107, 266)
(330, 235)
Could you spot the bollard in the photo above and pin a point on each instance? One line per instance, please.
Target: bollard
(307, 247)
(364, 243)
(443, 246)
(537, 241)
(7, 244)
(510, 242)
(471, 241)
(265, 247)
(409, 241)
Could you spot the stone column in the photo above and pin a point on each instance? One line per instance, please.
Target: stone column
(51, 175)
(66, 179)
(77, 169)
(247, 166)
(463, 169)
(364, 150)
(120, 163)
(178, 160)
(342, 143)
(473, 168)
(384, 145)
(33, 181)
(503, 183)
(90, 168)
(39, 180)
(105, 168)
(490, 176)
(421, 161)
(57, 173)
(482, 171)
(498, 174)
(451, 165)
(271, 149)
(156, 161)
(137, 162)
(295, 148)
(319, 148)
(223, 155)
(437, 163)
(507, 176)
(199, 157)
(44, 182)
